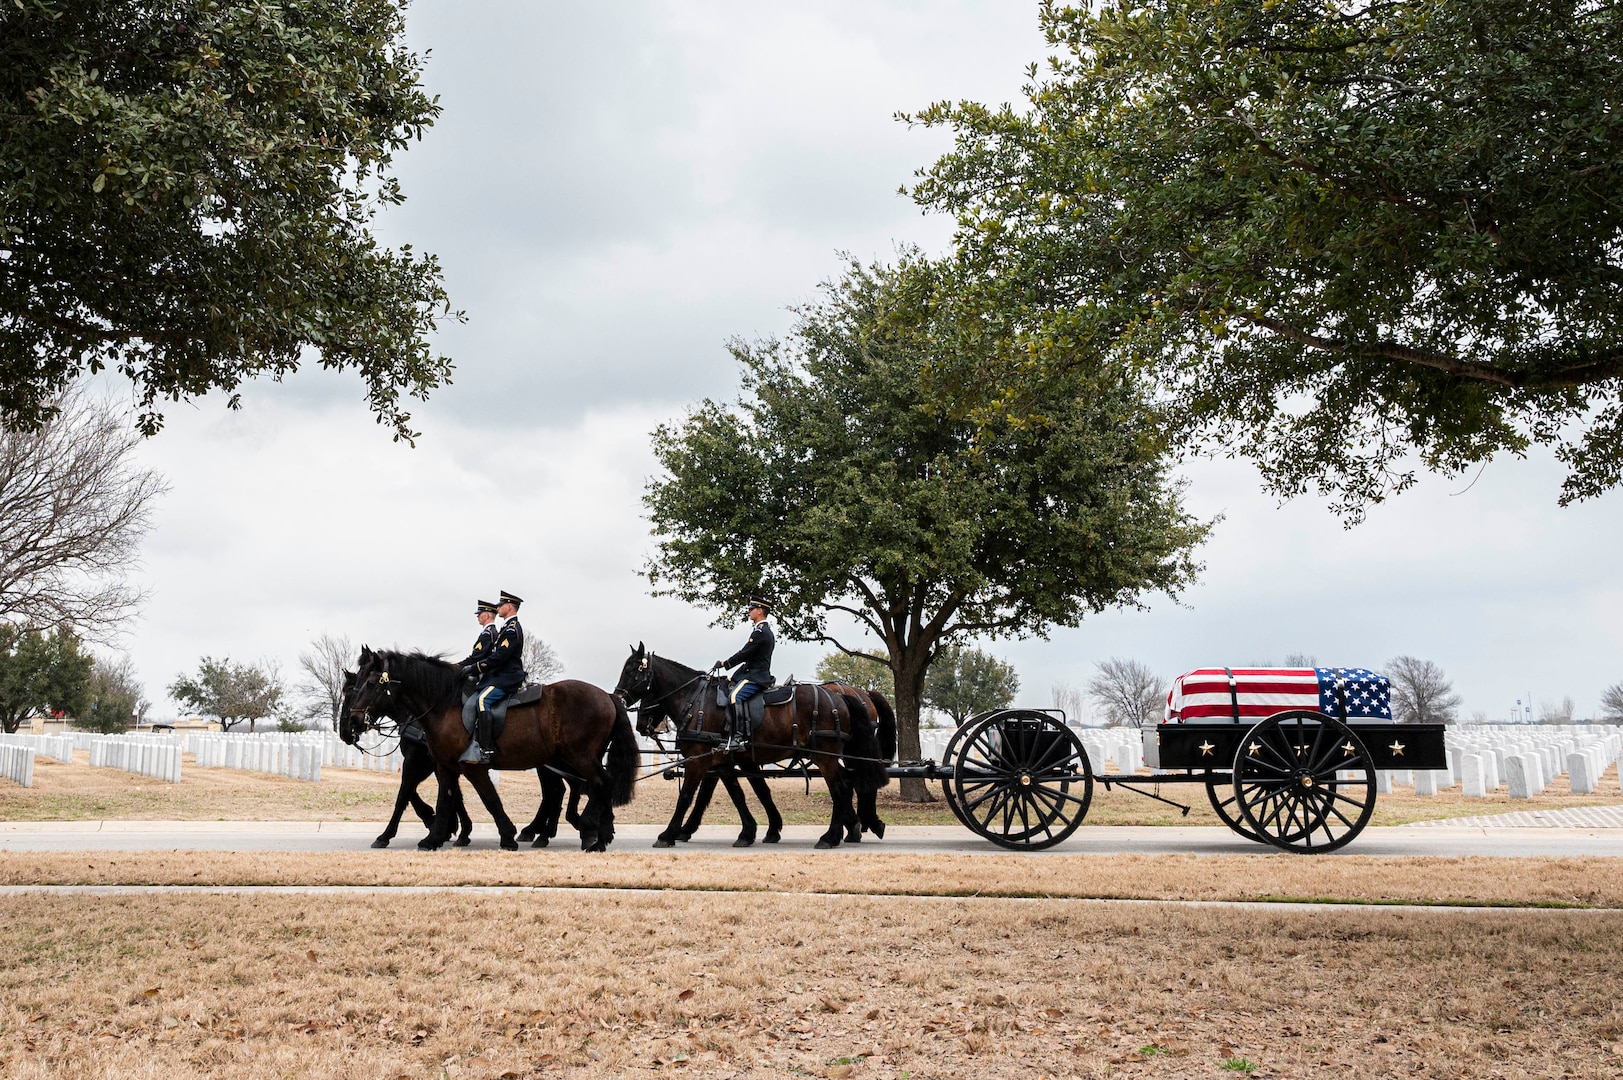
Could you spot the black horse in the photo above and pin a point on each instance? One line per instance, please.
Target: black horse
(814, 723)
(570, 727)
(416, 765)
(880, 718)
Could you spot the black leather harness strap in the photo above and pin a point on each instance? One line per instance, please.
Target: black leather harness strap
(1234, 694)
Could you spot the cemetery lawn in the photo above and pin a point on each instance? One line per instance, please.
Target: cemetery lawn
(710, 984)
(79, 793)
(869, 870)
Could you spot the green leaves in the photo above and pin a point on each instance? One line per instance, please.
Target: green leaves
(234, 154)
(1346, 243)
(40, 672)
(837, 485)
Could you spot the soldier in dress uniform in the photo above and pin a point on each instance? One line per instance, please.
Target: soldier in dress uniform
(499, 671)
(486, 614)
(754, 674)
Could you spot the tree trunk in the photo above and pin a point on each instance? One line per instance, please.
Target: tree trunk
(909, 673)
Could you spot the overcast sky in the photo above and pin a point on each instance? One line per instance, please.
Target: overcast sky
(614, 191)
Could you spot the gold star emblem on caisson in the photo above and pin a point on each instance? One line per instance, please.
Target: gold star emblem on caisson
(1206, 749)
(1397, 749)
(1256, 748)
(1348, 749)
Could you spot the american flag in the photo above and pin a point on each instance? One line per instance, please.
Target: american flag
(1205, 693)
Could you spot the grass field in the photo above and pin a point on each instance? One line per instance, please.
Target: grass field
(77, 792)
(729, 985)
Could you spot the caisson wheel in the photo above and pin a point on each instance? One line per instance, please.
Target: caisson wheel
(1304, 782)
(1021, 779)
(1220, 790)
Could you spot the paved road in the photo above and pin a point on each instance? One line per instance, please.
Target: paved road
(1407, 840)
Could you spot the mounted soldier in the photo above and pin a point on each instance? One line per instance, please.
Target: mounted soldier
(498, 670)
(754, 674)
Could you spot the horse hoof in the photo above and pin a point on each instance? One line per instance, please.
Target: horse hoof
(878, 829)
(772, 837)
(854, 836)
(426, 844)
(526, 835)
(662, 842)
(381, 842)
(825, 844)
(600, 846)
(589, 842)
(744, 841)
(509, 844)
(462, 841)
(683, 838)
(540, 841)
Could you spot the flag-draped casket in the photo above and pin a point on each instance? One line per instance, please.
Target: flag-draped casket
(1247, 695)
(1209, 710)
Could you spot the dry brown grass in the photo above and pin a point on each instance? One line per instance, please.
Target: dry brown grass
(1593, 882)
(546, 984)
(77, 793)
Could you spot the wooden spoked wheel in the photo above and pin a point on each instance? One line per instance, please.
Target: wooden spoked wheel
(1304, 782)
(1021, 779)
(1220, 791)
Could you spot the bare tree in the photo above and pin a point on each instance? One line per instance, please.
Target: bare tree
(1611, 704)
(1550, 712)
(1127, 692)
(1297, 659)
(74, 506)
(1421, 693)
(541, 661)
(324, 663)
(1070, 700)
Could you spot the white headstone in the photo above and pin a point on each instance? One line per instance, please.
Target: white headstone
(1580, 773)
(1425, 782)
(1383, 782)
(1472, 784)
(1518, 770)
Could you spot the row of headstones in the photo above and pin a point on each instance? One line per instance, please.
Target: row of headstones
(297, 755)
(59, 747)
(17, 763)
(157, 757)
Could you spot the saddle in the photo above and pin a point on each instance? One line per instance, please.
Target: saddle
(524, 695)
(755, 707)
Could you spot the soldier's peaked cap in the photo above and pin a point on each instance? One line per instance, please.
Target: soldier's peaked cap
(764, 605)
(509, 598)
(485, 606)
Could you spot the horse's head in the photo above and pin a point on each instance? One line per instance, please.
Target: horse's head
(346, 726)
(636, 683)
(369, 695)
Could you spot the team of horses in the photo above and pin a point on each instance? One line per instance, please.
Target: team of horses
(579, 739)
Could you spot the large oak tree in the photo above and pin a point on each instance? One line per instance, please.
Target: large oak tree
(186, 188)
(833, 486)
(1347, 239)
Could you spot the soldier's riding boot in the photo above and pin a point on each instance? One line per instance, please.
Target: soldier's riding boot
(732, 742)
(484, 734)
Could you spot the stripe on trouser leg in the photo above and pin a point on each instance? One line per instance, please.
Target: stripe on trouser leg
(483, 694)
(736, 691)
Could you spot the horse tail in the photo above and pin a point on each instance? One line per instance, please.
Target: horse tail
(625, 756)
(887, 725)
(862, 752)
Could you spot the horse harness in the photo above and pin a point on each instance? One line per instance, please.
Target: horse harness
(691, 725)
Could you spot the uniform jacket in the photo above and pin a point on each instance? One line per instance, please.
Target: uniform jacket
(482, 647)
(754, 660)
(503, 667)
